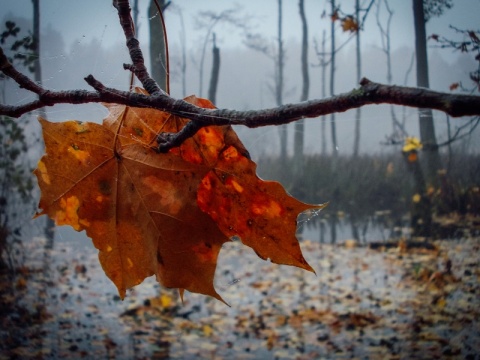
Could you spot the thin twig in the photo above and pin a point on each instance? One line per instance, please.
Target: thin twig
(139, 69)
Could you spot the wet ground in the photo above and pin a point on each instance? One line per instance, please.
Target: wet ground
(392, 303)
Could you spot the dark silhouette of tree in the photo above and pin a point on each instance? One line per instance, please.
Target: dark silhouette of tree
(212, 90)
(427, 127)
(277, 54)
(50, 225)
(333, 51)
(279, 82)
(158, 49)
(182, 63)
(208, 20)
(398, 129)
(299, 137)
(323, 64)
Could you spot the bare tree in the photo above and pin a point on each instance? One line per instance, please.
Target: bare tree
(50, 225)
(298, 146)
(427, 127)
(333, 51)
(398, 129)
(212, 90)
(358, 58)
(323, 64)
(158, 47)
(208, 20)
(279, 87)
(277, 54)
(183, 62)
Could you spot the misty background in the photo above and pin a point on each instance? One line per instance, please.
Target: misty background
(85, 38)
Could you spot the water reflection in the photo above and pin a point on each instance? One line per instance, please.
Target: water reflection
(336, 227)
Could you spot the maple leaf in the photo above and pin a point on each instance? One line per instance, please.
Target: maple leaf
(412, 144)
(169, 214)
(349, 24)
(454, 86)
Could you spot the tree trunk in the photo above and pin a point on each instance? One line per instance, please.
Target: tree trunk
(158, 53)
(421, 207)
(183, 65)
(427, 127)
(212, 91)
(49, 230)
(298, 146)
(422, 210)
(332, 82)
(279, 84)
(324, 94)
(358, 113)
(135, 15)
(397, 127)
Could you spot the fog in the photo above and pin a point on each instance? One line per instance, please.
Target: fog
(81, 40)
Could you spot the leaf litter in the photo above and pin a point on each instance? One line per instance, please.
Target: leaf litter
(395, 303)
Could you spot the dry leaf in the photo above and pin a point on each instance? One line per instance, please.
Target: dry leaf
(163, 214)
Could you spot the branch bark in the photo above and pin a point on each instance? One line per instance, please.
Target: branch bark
(368, 93)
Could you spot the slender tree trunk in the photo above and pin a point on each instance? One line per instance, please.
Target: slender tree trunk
(332, 82)
(422, 210)
(183, 65)
(158, 57)
(202, 60)
(279, 84)
(212, 91)
(324, 94)
(49, 231)
(358, 113)
(135, 15)
(421, 207)
(397, 127)
(36, 37)
(298, 146)
(427, 127)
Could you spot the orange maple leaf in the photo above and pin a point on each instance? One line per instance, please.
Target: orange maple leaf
(349, 24)
(454, 86)
(163, 214)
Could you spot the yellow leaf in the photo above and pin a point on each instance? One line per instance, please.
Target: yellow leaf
(207, 330)
(441, 303)
(411, 144)
(350, 243)
(166, 300)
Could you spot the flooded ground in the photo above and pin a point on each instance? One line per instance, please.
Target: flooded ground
(401, 301)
